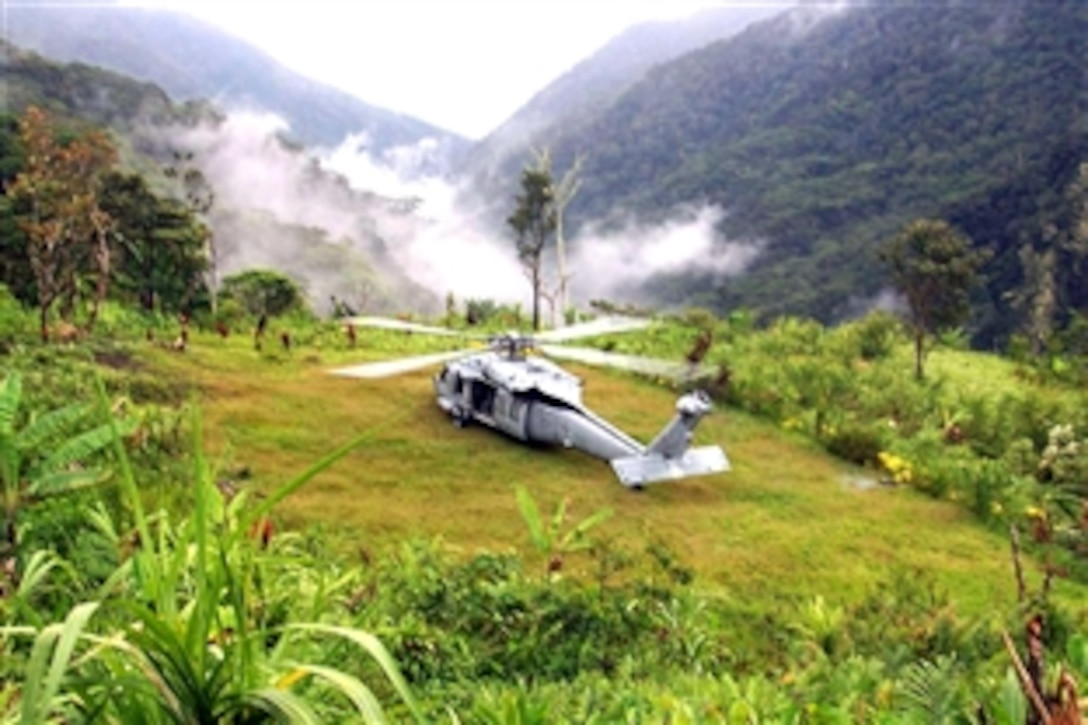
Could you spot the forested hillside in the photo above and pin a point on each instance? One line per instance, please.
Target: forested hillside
(88, 93)
(821, 133)
(593, 84)
(220, 192)
(190, 59)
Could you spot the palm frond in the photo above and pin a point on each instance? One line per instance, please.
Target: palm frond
(59, 483)
(49, 425)
(83, 446)
(931, 687)
(11, 394)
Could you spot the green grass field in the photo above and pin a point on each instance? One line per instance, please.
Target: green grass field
(783, 523)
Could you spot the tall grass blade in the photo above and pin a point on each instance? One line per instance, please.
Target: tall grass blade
(288, 706)
(370, 644)
(74, 624)
(531, 514)
(574, 540)
(35, 571)
(41, 686)
(144, 566)
(198, 626)
(1011, 707)
(128, 479)
(359, 694)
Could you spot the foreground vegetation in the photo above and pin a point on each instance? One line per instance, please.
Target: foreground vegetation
(411, 576)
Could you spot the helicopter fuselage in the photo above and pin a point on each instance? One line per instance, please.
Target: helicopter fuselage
(533, 400)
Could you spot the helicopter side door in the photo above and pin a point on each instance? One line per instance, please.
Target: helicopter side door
(511, 413)
(482, 398)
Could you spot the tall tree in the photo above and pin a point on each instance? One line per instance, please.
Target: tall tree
(67, 230)
(196, 192)
(15, 270)
(534, 222)
(1073, 244)
(562, 194)
(933, 266)
(1037, 298)
(161, 253)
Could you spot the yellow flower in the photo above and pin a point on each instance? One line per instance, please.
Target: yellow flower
(898, 468)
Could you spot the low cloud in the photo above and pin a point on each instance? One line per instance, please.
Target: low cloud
(420, 239)
(249, 167)
(617, 264)
(446, 244)
(277, 206)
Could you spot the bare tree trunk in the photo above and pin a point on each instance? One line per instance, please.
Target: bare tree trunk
(919, 350)
(102, 260)
(536, 297)
(213, 274)
(44, 321)
(563, 193)
(560, 305)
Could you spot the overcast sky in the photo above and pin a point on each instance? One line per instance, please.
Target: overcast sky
(463, 65)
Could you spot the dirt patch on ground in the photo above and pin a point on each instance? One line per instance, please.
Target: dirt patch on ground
(864, 481)
(116, 359)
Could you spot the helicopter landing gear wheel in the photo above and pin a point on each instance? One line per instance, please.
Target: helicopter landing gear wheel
(460, 418)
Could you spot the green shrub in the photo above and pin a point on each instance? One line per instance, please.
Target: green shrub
(875, 335)
(17, 324)
(263, 292)
(232, 314)
(855, 443)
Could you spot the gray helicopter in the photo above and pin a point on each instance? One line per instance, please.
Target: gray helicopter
(533, 400)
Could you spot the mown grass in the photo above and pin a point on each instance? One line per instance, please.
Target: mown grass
(783, 524)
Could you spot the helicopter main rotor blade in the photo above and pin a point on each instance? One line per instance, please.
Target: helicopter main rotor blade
(387, 368)
(388, 323)
(601, 326)
(633, 363)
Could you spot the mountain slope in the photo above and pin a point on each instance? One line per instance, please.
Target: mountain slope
(591, 85)
(821, 133)
(192, 59)
(275, 206)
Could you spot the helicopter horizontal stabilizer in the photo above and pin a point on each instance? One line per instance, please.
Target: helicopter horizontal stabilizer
(637, 471)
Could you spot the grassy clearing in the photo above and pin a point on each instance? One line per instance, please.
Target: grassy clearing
(784, 523)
